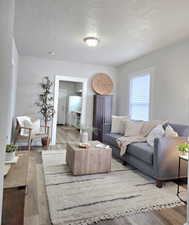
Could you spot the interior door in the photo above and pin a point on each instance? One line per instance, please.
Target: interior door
(62, 106)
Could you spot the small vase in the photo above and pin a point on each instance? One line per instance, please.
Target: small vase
(84, 137)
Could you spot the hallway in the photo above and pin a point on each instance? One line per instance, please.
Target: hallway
(65, 134)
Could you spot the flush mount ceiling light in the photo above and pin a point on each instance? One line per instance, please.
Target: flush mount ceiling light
(91, 41)
(51, 53)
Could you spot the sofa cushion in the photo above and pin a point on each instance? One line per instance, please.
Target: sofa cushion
(142, 151)
(133, 128)
(110, 139)
(149, 125)
(182, 130)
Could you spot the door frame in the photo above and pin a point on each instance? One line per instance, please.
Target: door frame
(65, 112)
(59, 78)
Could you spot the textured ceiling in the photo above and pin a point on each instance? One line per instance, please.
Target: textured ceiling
(127, 28)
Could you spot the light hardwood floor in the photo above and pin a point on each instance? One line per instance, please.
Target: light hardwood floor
(66, 133)
(36, 206)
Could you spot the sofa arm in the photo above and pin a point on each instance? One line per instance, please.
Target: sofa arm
(166, 158)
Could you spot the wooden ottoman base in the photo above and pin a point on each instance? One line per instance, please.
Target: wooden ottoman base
(90, 160)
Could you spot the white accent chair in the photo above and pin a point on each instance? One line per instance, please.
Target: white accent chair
(28, 129)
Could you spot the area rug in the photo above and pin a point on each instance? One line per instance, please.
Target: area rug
(75, 200)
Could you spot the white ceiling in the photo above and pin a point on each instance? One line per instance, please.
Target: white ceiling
(127, 28)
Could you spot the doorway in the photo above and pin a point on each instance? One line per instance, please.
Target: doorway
(70, 108)
(69, 111)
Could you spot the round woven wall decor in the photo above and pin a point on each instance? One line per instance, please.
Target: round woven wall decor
(102, 84)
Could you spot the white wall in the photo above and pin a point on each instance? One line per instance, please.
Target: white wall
(31, 71)
(7, 80)
(171, 82)
(15, 60)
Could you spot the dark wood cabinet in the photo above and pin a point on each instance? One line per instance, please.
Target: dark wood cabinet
(102, 115)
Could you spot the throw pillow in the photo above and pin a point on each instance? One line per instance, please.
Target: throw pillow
(169, 132)
(156, 132)
(133, 128)
(28, 124)
(21, 120)
(118, 124)
(149, 125)
(36, 127)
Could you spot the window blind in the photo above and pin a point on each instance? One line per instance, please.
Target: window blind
(140, 97)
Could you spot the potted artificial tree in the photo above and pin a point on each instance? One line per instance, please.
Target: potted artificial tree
(46, 105)
(10, 152)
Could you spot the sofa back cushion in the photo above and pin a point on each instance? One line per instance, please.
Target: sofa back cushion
(149, 125)
(133, 128)
(182, 130)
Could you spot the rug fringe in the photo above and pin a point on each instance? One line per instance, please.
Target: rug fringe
(129, 212)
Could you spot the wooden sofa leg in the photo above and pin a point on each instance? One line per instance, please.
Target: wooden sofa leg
(159, 183)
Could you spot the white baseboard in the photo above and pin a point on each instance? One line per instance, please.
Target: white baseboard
(186, 224)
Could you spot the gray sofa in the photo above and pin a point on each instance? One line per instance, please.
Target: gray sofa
(160, 161)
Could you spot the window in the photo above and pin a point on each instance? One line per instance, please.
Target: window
(139, 99)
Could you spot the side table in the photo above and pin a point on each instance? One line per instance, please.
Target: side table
(184, 158)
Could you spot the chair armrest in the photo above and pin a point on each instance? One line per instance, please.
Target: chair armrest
(166, 157)
(26, 128)
(18, 132)
(45, 126)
